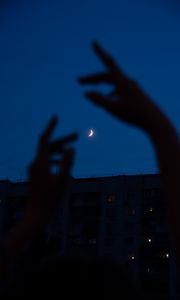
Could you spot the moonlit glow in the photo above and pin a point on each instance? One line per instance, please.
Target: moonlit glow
(91, 133)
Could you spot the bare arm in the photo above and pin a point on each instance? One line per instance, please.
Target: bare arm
(166, 144)
(130, 104)
(46, 190)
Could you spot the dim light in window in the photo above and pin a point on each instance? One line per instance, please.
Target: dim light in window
(111, 198)
(131, 257)
(148, 240)
(165, 255)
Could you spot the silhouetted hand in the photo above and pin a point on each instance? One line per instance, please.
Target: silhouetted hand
(127, 102)
(47, 188)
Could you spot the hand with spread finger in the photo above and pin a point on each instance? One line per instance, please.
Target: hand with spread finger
(47, 188)
(128, 102)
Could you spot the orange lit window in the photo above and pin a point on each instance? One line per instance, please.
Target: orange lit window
(111, 198)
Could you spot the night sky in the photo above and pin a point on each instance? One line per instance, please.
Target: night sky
(46, 46)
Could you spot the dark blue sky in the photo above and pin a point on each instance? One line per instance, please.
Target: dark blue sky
(45, 46)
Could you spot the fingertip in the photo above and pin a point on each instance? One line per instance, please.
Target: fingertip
(80, 80)
(54, 119)
(98, 48)
(95, 44)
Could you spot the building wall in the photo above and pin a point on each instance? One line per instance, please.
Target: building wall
(122, 218)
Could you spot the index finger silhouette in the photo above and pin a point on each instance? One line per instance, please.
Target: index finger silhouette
(117, 73)
(48, 131)
(96, 78)
(105, 57)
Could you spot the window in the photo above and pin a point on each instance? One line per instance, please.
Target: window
(77, 199)
(151, 209)
(111, 199)
(129, 226)
(78, 241)
(109, 228)
(90, 229)
(110, 212)
(129, 210)
(148, 240)
(92, 198)
(84, 212)
(130, 196)
(16, 203)
(150, 270)
(165, 255)
(131, 257)
(152, 193)
(108, 242)
(129, 240)
(93, 241)
(108, 254)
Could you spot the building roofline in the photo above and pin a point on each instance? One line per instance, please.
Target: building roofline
(115, 176)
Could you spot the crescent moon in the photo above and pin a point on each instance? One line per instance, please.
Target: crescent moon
(91, 133)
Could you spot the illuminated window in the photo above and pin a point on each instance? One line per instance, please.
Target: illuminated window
(150, 270)
(166, 255)
(148, 240)
(151, 209)
(111, 198)
(93, 241)
(131, 257)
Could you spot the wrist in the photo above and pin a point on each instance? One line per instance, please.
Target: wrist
(158, 127)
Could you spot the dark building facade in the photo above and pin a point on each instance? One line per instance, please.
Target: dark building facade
(122, 218)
